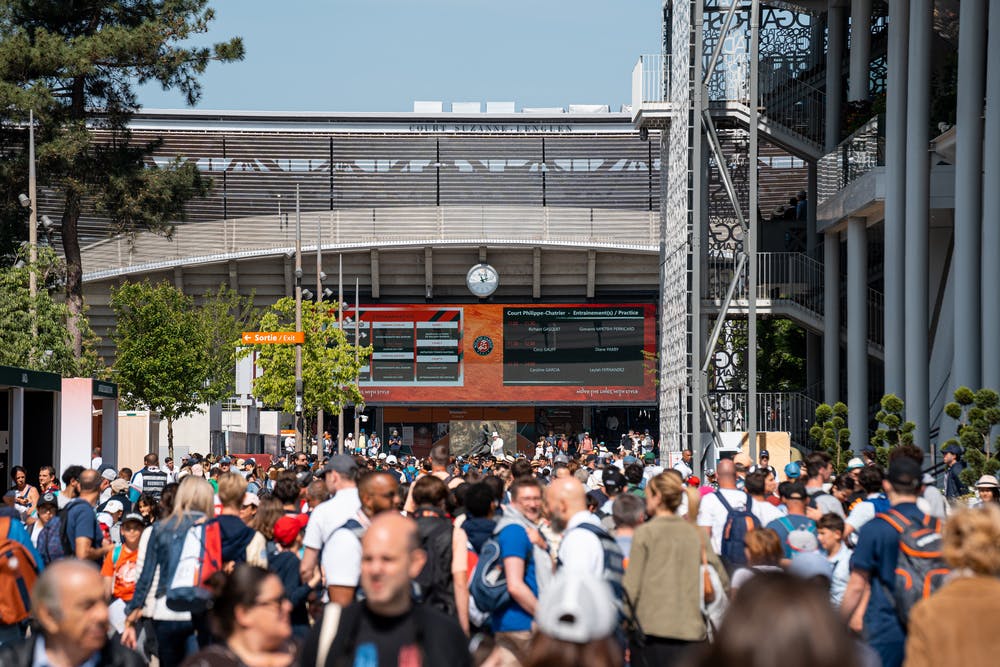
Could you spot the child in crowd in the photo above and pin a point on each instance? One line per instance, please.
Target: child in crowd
(119, 569)
(830, 533)
(288, 538)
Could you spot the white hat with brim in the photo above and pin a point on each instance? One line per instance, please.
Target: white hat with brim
(987, 482)
(577, 609)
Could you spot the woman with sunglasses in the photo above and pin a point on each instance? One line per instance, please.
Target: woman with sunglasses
(252, 620)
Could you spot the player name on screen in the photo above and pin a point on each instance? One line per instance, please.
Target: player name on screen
(577, 345)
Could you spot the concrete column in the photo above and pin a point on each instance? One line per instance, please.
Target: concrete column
(895, 197)
(831, 317)
(966, 361)
(836, 28)
(861, 49)
(991, 208)
(857, 328)
(917, 219)
(17, 427)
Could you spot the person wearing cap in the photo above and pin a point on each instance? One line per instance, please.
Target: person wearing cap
(793, 471)
(120, 568)
(48, 505)
(575, 624)
(793, 495)
(285, 564)
(341, 476)
(988, 490)
(119, 491)
(248, 508)
(496, 446)
(388, 627)
(764, 463)
(874, 562)
(108, 519)
(953, 486)
(854, 467)
(349, 445)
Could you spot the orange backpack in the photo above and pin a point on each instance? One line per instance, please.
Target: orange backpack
(18, 571)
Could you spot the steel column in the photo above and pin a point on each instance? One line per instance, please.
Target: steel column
(857, 329)
(753, 219)
(991, 208)
(831, 317)
(895, 198)
(836, 20)
(861, 49)
(918, 219)
(966, 361)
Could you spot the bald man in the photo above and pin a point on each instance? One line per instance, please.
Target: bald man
(68, 603)
(716, 507)
(586, 547)
(388, 627)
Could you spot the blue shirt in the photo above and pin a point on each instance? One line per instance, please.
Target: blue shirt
(796, 521)
(514, 542)
(876, 554)
(81, 521)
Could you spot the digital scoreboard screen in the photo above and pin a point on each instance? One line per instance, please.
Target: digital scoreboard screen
(577, 345)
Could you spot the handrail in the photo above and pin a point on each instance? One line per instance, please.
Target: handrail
(854, 157)
(791, 412)
(650, 80)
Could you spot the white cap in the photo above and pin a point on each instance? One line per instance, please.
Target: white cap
(251, 499)
(495, 434)
(382, 456)
(575, 608)
(391, 460)
(113, 506)
(109, 474)
(855, 463)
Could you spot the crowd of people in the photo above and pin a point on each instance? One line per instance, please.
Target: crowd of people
(595, 557)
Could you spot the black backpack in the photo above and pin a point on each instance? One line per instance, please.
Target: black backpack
(436, 586)
(53, 539)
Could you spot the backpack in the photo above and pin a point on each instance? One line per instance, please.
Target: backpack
(435, 581)
(790, 528)
(920, 569)
(53, 539)
(488, 585)
(18, 572)
(200, 558)
(734, 532)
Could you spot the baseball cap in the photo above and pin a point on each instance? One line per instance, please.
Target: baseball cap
(495, 434)
(575, 608)
(225, 460)
(649, 457)
(613, 479)
(113, 506)
(109, 474)
(133, 517)
(119, 486)
(49, 499)
(952, 449)
(382, 456)
(987, 482)
(341, 463)
(855, 463)
(764, 454)
(793, 470)
(391, 460)
(251, 499)
(904, 471)
(792, 490)
(288, 527)
(801, 540)
(809, 564)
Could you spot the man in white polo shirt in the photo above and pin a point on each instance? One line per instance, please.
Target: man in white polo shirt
(341, 477)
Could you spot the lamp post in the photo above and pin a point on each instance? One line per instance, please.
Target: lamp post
(32, 218)
(357, 327)
(299, 431)
(340, 325)
(319, 300)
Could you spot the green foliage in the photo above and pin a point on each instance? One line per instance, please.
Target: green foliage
(781, 356)
(49, 347)
(77, 65)
(224, 315)
(164, 360)
(329, 370)
(976, 414)
(830, 433)
(892, 430)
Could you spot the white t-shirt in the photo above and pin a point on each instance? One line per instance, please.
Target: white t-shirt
(713, 514)
(341, 557)
(330, 515)
(841, 572)
(862, 513)
(580, 550)
(764, 511)
(684, 469)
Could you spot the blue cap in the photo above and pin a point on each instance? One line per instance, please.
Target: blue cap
(793, 470)
(952, 449)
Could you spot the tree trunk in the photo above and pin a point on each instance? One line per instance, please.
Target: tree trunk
(170, 437)
(74, 269)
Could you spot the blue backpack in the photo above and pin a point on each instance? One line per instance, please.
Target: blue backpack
(734, 532)
(53, 540)
(488, 586)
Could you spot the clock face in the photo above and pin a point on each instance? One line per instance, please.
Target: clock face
(482, 280)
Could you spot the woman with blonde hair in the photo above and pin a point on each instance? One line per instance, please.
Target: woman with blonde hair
(194, 503)
(957, 624)
(663, 577)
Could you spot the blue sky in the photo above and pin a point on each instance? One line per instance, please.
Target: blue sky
(381, 55)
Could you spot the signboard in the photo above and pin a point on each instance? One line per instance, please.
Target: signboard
(492, 354)
(273, 337)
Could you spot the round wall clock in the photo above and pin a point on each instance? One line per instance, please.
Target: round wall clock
(482, 280)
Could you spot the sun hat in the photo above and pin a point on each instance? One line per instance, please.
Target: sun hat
(987, 482)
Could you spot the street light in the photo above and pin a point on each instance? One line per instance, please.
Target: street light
(299, 431)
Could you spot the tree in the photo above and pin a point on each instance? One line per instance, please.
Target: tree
(329, 370)
(831, 434)
(76, 64)
(163, 360)
(224, 315)
(893, 430)
(48, 346)
(976, 413)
